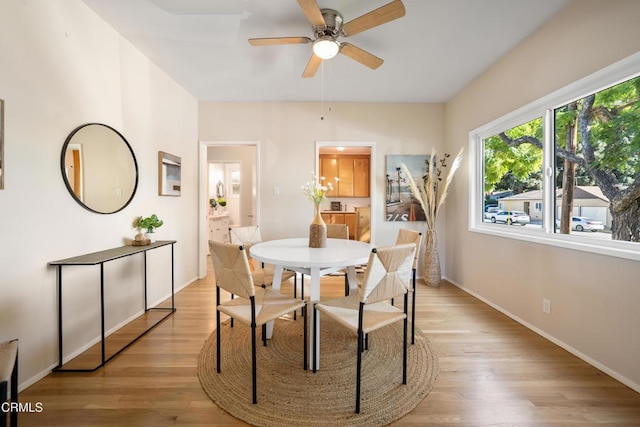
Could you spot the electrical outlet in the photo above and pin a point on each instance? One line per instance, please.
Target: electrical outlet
(546, 306)
(276, 191)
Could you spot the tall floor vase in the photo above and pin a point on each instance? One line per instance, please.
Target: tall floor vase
(432, 273)
(318, 231)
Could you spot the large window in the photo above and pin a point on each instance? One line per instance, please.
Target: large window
(597, 143)
(566, 168)
(513, 174)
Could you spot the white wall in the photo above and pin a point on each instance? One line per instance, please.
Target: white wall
(62, 66)
(288, 132)
(594, 297)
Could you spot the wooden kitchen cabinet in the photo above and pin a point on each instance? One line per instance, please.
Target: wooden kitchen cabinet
(363, 224)
(345, 173)
(350, 220)
(329, 169)
(361, 177)
(352, 170)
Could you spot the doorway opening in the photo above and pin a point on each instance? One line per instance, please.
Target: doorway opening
(355, 197)
(225, 180)
(229, 172)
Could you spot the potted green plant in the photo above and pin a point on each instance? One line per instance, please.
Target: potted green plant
(150, 224)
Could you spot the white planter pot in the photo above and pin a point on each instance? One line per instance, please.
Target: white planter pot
(150, 236)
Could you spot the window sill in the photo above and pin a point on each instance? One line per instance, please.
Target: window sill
(626, 250)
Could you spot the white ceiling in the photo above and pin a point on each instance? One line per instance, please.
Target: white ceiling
(430, 54)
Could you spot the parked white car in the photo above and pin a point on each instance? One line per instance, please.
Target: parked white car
(581, 223)
(512, 217)
(491, 212)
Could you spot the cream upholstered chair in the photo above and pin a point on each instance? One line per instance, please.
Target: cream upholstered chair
(255, 306)
(388, 275)
(9, 380)
(410, 236)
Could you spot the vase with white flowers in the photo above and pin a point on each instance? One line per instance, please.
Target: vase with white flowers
(316, 190)
(431, 191)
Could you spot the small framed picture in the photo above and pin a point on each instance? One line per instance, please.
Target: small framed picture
(336, 206)
(169, 170)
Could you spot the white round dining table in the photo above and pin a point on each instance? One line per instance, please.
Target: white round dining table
(295, 254)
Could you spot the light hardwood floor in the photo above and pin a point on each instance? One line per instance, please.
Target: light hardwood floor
(493, 371)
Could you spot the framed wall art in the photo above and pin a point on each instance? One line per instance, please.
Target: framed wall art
(169, 170)
(400, 204)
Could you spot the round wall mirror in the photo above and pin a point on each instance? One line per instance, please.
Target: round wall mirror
(99, 168)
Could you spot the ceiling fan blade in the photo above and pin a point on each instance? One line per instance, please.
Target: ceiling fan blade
(312, 12)
(270, 41)
(362, 56)
(312, 66)
(379, 16)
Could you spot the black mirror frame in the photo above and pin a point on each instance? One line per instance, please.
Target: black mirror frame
(66, 181)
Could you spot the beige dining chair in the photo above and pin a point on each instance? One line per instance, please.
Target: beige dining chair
(388, 275)
(339, 231)
(263, 275)
(246, 236)
(411, 236)
(254, 305)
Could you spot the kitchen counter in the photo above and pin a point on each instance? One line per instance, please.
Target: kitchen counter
(338, 212)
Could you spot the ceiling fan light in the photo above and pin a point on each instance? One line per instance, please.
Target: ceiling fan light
(325, 48)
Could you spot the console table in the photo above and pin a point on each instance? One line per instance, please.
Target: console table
(100, 258)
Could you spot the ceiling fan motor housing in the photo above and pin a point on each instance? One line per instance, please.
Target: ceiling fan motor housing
(333, 24)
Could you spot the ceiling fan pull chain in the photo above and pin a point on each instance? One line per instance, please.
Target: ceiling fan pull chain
(322, 91)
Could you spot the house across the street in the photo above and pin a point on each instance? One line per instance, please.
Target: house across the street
(588, 201)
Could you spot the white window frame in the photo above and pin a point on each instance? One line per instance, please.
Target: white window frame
(616, 73)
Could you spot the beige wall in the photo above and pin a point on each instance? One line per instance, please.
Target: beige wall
(594, 297)
(287, 132)
(62, 66)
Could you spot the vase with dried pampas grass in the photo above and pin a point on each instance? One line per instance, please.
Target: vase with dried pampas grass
(432, 192)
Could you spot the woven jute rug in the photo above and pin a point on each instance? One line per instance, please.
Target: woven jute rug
(290, 396)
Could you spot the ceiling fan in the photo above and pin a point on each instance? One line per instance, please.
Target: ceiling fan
(328, 27)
